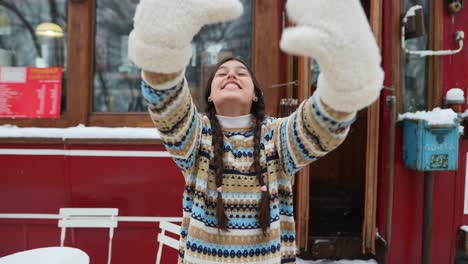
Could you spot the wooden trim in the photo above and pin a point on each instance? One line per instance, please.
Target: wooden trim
(31, 122)
(303, 176)
(372, 146)
(81, 45)
(372, 158)
(42, 141)
(119, 120)
(288, 62)
(435, 63)
(397, 63)
(266, 30)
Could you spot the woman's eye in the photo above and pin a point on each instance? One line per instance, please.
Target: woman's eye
(242, 74)
(220, 74)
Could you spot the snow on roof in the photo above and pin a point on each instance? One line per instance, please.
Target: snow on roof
(464, 228)
(455, 94)
(79, 132)
(435, 117)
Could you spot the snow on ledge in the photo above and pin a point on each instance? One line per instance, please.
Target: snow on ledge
(79, 132)
(435, 117)
(464, 228)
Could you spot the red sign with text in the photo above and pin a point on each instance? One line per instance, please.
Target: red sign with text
(30, 92)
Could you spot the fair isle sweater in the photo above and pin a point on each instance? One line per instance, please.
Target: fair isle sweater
(287, 145)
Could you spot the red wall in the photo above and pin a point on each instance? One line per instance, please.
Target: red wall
(136, 186)
(409, 185)
(456, 76)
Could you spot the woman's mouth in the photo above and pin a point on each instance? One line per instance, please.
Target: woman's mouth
(231, 85)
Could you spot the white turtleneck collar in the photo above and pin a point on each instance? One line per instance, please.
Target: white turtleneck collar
(244, 121)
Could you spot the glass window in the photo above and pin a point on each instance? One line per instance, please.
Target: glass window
(415, 67)
(33, 34)
(117, 81)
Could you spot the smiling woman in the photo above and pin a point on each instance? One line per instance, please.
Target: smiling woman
(238, 164)
(232, 85)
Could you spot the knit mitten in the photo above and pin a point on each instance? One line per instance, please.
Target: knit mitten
(163, 30)
(337, 34)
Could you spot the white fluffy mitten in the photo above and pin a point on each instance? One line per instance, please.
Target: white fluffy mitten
(337, 34)
(163, 30)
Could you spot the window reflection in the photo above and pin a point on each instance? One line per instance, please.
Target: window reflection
(33, 34)
(20, 44)
(415, 67)
(117, 80)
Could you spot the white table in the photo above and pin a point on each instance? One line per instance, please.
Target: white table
(49, 255)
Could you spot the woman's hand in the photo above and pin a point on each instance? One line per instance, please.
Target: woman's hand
(337, 34)
(163, 30)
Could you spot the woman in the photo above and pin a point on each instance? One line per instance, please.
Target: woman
(238, 165)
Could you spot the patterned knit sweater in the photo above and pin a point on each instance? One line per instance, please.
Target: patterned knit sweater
(287, 145)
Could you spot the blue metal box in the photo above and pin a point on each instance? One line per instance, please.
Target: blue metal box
(430, 148)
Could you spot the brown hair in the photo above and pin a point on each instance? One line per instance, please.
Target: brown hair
(258, 111)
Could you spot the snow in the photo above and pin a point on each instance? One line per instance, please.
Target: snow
(425, 53)
(300, 261)
(435, 117)
(455, 94)
(79, 132)
(411, 12)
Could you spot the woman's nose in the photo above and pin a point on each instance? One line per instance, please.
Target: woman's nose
(231, 74)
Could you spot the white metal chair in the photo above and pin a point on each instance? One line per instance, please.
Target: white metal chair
(88, 218)
(163, 239)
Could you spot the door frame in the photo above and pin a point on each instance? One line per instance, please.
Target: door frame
(372, 154)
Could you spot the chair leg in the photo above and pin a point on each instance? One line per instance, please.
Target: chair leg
(62, 236)
(160, 247)
(109, 252)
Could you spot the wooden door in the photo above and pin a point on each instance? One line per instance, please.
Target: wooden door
(353, 165)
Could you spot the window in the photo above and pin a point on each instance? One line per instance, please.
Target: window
(103, 87)
(415, 69)
(117, 80)
(33, 33)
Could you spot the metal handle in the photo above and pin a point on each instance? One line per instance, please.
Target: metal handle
(459, 38)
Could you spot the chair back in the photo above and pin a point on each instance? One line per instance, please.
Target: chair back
(163, 239)
(88, 218)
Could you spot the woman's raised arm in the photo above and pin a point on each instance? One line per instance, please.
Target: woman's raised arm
(160, 44)
(337, 34)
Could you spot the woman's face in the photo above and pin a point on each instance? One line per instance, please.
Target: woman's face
(232, 89)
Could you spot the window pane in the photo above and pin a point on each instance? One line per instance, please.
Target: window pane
(117, 81)
(415, 67)
(33, 34)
